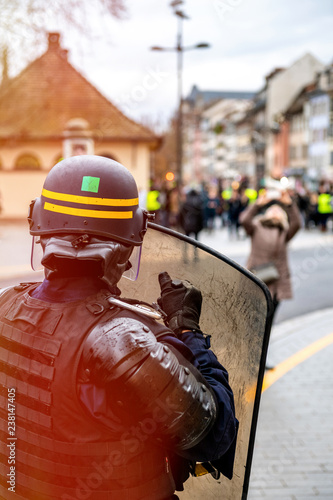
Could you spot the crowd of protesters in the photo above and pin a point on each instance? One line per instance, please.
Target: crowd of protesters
(211, 206)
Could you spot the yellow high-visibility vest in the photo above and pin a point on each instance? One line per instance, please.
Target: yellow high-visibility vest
(251, 194)
(324, 203)
(152, 202)
(226, 194)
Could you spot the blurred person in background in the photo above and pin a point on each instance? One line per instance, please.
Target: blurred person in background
(271, 224)
(153, 203)
(325, 208)
(302, 199)
(312, 213)
(174, 204)
(238, 201)
(211, 207)
(191, 217)
(164, 200)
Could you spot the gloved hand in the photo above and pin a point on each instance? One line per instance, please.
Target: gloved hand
(181, 301)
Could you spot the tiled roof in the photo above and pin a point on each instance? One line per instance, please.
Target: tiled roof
(40, 101)
(209, 96)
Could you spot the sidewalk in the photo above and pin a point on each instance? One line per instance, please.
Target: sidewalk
(293, 457)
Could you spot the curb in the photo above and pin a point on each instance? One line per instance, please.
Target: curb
(294, 325)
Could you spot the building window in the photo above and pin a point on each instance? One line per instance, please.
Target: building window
(330, 130)
(292, 152)
(299, 151)
(27, 162)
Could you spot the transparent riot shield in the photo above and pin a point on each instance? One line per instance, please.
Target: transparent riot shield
(236, 313)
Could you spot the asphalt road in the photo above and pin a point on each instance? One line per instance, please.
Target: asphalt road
(312, 282)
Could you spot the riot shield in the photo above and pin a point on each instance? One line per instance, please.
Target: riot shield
(236, 313)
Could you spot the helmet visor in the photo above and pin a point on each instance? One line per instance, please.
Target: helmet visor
(36, 254)
(133, 272)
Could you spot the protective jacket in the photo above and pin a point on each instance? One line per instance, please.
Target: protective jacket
(63, 452)
(270, 244)
(191, 213)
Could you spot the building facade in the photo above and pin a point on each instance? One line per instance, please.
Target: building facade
(219, 141)
(319, 124)
(209, 133)
(282, 89)
(325, 83)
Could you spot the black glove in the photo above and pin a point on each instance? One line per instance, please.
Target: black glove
(181, 301)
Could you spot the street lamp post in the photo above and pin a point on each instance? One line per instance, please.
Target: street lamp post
(179, 48)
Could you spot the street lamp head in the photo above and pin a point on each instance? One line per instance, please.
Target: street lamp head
(197, 46)
(157, 48)
(202, 46)
(181, 14)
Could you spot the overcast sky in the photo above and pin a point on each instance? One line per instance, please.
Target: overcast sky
(248, 39)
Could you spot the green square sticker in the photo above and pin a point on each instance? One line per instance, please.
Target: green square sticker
(90, 184)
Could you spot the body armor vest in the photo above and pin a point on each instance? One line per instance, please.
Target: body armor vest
(59, 451)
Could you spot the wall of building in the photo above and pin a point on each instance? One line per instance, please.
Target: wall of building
(18, 188)
(285, 86)
(281, 151)
(319, 120)
(298, 141)
(134, 156)
(47, 153)
(282, 90)
(210, 143)
(245, 161)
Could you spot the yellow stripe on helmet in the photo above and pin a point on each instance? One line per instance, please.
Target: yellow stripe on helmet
(89, 200)
(81, 212)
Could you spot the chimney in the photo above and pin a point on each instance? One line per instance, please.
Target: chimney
(54, 41)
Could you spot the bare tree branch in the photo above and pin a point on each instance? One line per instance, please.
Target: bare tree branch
(24, 23)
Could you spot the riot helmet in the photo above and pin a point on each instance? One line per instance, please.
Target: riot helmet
(88, 203)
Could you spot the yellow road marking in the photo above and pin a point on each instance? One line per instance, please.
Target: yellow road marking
(281, 369)
(288, 364)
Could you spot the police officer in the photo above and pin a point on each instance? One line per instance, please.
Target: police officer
(110, 403)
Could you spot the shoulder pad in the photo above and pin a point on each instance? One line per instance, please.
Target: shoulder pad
(4, 290)
(114, 347)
